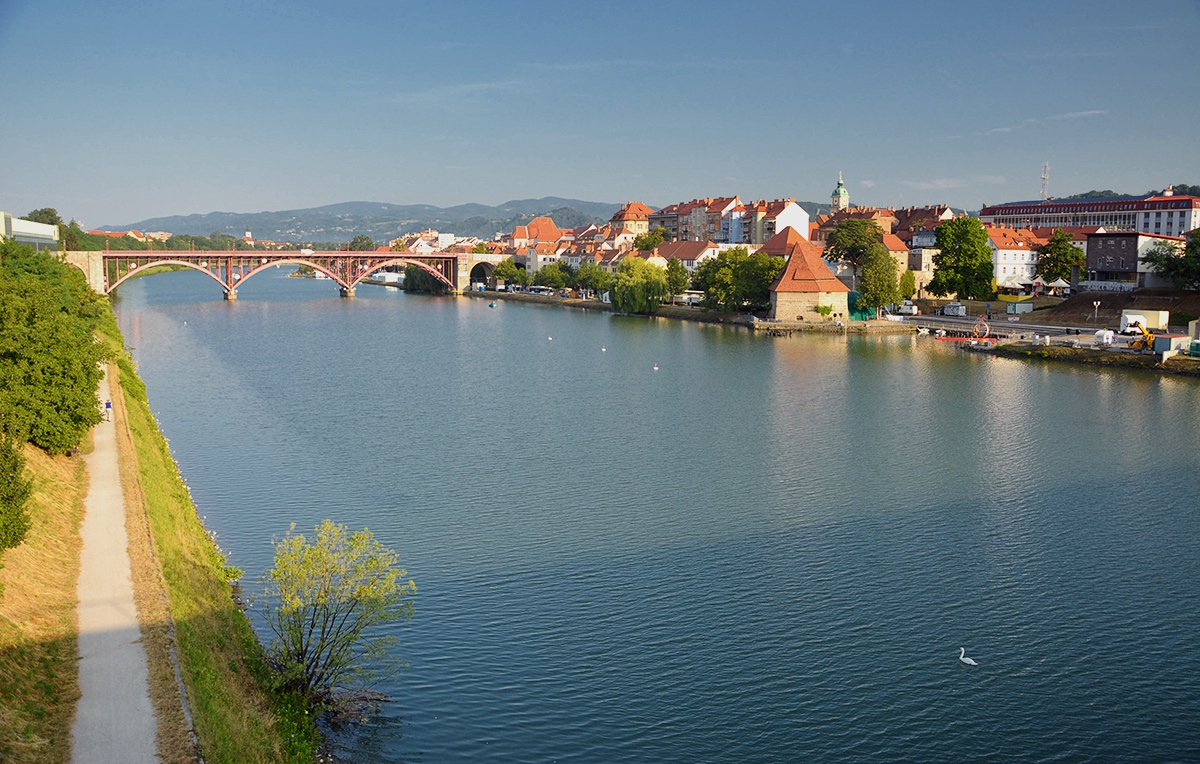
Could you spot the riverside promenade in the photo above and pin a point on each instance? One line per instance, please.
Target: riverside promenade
(114, 720)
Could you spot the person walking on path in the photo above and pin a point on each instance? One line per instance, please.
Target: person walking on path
(114, 720)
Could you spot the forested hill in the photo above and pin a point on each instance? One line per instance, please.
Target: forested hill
(379, 220)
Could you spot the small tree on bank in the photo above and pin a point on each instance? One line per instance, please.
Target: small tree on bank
(677, 276)
(963, 264)
(1182, 267)
(908, 285)
(1056, 257)
(320, 599)
(640, 286)
(879, 286)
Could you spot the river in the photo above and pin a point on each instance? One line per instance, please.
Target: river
(644, 540)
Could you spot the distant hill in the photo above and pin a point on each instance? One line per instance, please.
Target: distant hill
(379, 220)
(1183, 189)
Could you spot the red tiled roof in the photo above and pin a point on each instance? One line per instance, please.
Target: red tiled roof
(805, 270)
(683, 250)
(894, 243)
(633, 211)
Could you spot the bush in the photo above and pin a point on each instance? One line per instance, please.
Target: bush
(1180, 318)
(320, 599)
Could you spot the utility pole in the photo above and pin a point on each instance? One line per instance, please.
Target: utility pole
(1045, 181)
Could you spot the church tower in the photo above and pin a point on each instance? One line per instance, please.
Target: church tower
(840, 199)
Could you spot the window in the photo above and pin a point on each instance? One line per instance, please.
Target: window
(1122, 262)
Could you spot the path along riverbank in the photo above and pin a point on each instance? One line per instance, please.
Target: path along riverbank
(114, 720)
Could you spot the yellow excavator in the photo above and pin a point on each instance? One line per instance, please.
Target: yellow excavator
(1145, 342)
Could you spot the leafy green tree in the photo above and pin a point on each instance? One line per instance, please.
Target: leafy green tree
(1056, 257)
(908, 284)
(850, 240)
(49, 356)
(651, 239)
(1182, 268)
(677, 276)
(879, 287)
(753, 278)
(510, 273)
(735, 279)
(480, 249)
(47, 215)
(715, 277)
(592, 276)
(399, 246)
(640, 286)
(362, 243)
(14, 493)
(553, 275)
(323, 599)
(964, 264)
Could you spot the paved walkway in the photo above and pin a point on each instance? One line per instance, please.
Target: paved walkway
(114, 720)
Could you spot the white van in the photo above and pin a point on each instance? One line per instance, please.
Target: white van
(908, 308)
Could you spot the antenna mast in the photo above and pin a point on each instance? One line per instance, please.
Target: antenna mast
(1045, 180)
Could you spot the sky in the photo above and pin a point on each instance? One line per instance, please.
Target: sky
(120, 111)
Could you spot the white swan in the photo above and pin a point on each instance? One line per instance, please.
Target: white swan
(962, 656)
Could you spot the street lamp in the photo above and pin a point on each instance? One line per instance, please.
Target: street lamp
(1096, 315)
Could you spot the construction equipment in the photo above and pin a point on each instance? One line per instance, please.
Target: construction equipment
(1145, 342)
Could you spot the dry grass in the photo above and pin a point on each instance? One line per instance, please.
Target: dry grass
(38, 649)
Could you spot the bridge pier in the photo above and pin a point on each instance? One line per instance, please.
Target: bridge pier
(231, 295)
(348, 293)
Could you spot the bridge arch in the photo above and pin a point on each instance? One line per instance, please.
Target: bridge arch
(406, 261)
(483, 273)
(293, 261)
(194, 266)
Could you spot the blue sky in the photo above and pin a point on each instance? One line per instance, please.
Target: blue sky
(115, 112)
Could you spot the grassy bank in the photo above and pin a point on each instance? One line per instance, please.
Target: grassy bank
(178, 569)
(1178, 365)
(38, 649)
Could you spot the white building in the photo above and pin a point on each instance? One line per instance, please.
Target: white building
(1167, 214)
(37, 235)
(1014, 253)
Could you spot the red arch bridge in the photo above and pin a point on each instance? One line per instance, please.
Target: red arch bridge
(109, 269)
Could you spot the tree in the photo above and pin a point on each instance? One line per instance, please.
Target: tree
(480, 249)
(677, 276)
(553, 275)
(47, 215)
(964, 263)
(508, 272)
(651, 239)
(753, 278)
(1056, 257)
(321, 599)
(1182, 268)
(908, 285)
(735, 279)
(850, 240)
(640, 286)
(417, 279)
(362, 243)
(398, 246)
(592, 276)
(14, 493)
(49, 356)
(878, 286)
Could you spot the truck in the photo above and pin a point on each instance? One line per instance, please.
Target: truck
(954, 309)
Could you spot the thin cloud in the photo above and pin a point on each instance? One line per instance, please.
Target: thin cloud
(1072, 115)
(867, 183)
(946, 184)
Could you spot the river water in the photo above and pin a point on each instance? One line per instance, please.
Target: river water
(766, 550)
